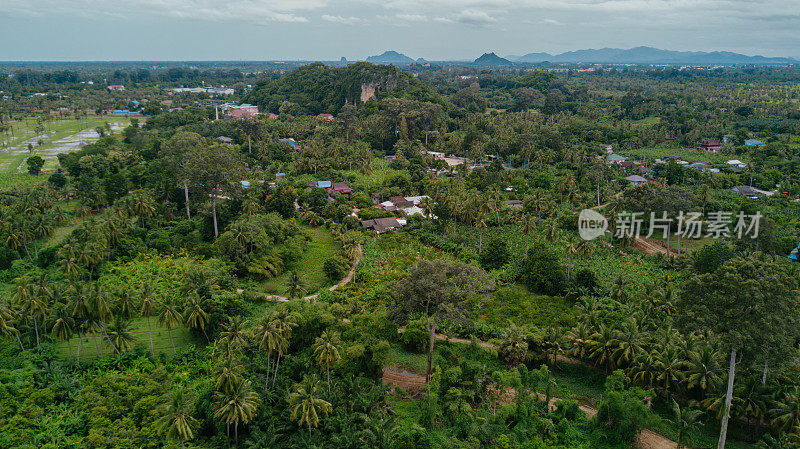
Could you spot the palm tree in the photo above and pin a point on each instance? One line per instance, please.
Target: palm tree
(527, 227)
(553, 342)
(148, 309)
(170, 317)
(196, 317)
(295, 285)
(63, 326)
(551, 230)
(704, 369)
(687, 421)
(236, 405)
(177, 422)
(125, 308)
(121, 334)
(269, 336)
(326, 352)
(305, 403)
(669, 367)
(233, 334)
(601, 346)
(101, 310)
(6, 328)
(627, 343)
(786, 411)
(229, 371)
(25, 297)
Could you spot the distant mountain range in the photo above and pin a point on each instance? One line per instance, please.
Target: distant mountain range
(491, 59)
(650, 55)
(390, 57)
(637, 55)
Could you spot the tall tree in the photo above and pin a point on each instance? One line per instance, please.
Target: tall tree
(438, 290)
(305, 403)
(327, 348)
(177, 422)
(236, 405)
(749, 304)
(217, 168)
(177, 151)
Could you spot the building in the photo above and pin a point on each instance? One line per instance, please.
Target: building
(224, 139)
(514, 204)
(242, 111)
(698, 165)
(326, 117)
(615, 159)
(119, 87)
(748, 191)
(321, 184)
(340, 187)
(712, 145)
(646, 172)
(736, 163)
(290, 141)
(382, 225)
(635, 180)
(436, 154)
(754, 143)
(125, 112)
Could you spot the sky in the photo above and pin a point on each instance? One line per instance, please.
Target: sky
(189, 30)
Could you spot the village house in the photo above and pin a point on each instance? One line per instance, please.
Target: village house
(224, 139)
(118, 87)
(635, 180)
(754, 143)
(514, 204)
(340, 187)
(241, 111)
(736, 163)
(327, 117)
(615, 159)
(712, 145)
(383, 225)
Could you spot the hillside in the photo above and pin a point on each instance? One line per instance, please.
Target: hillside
(649, 55)
(318, 88)
(491, 59)
(390, 57)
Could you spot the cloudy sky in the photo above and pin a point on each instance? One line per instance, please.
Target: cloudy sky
(433, 29)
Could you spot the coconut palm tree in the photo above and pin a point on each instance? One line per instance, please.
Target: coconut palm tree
(327, 348)
(295, 285)
(703, 369)
(149, 306)
(305, 403)
(29, 301)
(551, 230)
(228, 373)
(233, 334)
(687, 421)
(120, 334)
(170, 317)
(63, 326)
(196, 317)
(627, 343)
(670, 368)
(176, 421)
(101, 310)
(269, 336)
(527, 227)
(236, 406)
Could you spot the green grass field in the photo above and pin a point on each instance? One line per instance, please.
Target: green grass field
(60, 136)
(138, 328)
(309, 267)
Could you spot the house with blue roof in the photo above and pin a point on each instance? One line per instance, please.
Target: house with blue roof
(754, 143)
(615, 158)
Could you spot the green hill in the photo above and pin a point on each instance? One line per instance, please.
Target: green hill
(318, 88)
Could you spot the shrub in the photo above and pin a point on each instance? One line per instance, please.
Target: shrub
(415, 337)
(585, 278)
(541, 271)
(335, 268)
(7, 255)
(708, 258)
(623, 413)
(495, 255)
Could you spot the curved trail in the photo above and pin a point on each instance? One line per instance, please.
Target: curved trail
(410, 381)
(346, 280)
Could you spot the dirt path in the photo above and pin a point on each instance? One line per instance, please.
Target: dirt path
(346, 280)
(414, 382)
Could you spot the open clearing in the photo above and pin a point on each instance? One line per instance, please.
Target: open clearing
(60, 136)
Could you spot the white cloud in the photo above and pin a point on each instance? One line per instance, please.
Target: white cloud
(551, 22)
(474, 17)
(340, 19)
(412, 17)
(253, 11)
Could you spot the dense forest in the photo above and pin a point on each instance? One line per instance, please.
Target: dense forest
(393, 258)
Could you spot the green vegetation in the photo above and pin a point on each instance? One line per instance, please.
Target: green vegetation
(189, 259)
